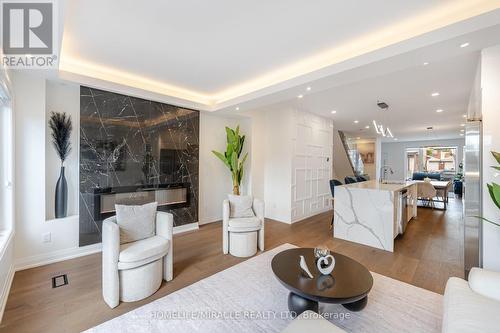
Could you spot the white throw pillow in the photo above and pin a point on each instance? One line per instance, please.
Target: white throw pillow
(240, 205)
(136, 222)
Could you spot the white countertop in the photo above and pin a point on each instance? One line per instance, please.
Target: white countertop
(375, 185)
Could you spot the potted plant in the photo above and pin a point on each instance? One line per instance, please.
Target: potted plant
(61, 126)
(458, 180)
(231, 157)
(494, 188)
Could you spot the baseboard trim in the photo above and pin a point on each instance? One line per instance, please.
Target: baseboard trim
(185, 228)
(66, 254)
(6, 289)
(208, 220)
(56, 256)
(311, 215)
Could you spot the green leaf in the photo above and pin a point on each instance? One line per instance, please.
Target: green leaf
(229, 152)
(494, 190)
(242, 141)
(230, 136)
(244, 159)
(222, 158)
(496, 155)
(232, 154)
(234, 162)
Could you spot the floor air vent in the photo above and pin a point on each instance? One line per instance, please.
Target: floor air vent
(59, 281)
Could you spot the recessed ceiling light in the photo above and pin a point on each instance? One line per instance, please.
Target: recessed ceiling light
(308, 88)
(434, 94)
(300, 96)
(462, 125)
(333, 111)
(439, 110)
(464, 116)
(237, 108)
(358, 138)
(426, 63)
(367, 127)
(462, 130)
(395, 139)
(461, 134)
(464, 45)
(356, 121)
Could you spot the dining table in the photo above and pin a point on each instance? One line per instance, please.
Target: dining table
(441, 186)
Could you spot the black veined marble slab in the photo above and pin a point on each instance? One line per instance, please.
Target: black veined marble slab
(129, 142)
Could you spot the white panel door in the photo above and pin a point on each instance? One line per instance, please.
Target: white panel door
(311, 165)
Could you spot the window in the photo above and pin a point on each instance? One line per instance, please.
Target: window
(6, 163)
(441, 160)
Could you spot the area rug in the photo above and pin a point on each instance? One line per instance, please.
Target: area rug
(248, 298)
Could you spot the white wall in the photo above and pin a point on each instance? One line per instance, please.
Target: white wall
(490, 85)
(394, 153)
(311, 165)
(30, 141)
(278, 164)
(272, 160)
(284, 141)
(215, 178)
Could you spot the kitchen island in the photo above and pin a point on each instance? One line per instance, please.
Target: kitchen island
(374, 213)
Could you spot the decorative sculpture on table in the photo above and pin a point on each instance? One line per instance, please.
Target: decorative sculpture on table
(304, 267)
(61, 126)
(323, 263)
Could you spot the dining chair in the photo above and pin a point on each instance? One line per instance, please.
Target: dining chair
(333, 183)
(426, 192)
(350, 180)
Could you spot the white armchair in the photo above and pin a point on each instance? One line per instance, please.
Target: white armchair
(472, 306)
(134, 271)
(240, 236)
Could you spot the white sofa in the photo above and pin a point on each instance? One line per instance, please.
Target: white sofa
(240, 236)
(134, 271)
(472, 306)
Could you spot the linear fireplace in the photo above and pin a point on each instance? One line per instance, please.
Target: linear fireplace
(168, 196)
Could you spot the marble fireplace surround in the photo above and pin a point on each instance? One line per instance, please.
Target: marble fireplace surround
(131, 148)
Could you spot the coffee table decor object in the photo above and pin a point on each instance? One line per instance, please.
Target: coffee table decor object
(323, 258)
(305, 268)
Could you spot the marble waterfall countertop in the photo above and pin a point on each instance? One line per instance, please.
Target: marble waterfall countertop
(373, 213)
(393, 186)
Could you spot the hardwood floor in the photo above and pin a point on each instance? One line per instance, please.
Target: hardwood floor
(430, 251)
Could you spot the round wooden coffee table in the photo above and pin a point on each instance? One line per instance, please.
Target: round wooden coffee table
(348, 284)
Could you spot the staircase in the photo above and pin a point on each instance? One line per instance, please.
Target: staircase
(353, 155)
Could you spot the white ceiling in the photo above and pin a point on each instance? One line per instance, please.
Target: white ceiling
(209, 46)
(213, 51)
(408, 92)
(402, 81)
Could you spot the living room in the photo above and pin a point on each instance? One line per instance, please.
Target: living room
(149, 183)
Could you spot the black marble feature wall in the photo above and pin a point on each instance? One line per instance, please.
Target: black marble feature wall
(131, 147)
